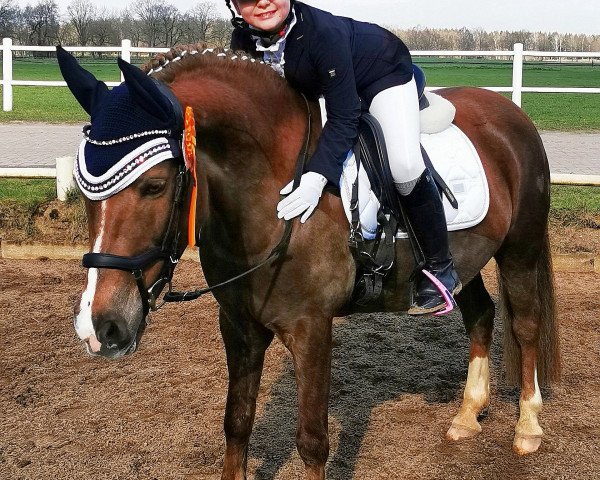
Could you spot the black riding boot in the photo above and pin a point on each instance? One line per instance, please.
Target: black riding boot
(423, 206)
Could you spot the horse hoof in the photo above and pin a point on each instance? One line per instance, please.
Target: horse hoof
(458, 432)
(525, 445)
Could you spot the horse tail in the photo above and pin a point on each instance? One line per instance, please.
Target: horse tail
(549, 358)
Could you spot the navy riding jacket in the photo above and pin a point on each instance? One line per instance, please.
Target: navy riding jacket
(346, 62)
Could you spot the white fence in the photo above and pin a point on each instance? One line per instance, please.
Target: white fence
(7, 48)
(125, 50)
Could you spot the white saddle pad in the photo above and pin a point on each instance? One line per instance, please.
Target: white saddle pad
(456, 160)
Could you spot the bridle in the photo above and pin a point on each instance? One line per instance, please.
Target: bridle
(170, 253)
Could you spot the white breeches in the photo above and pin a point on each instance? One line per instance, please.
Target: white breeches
(397, 110)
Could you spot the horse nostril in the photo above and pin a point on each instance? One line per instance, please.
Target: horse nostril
(111, 335)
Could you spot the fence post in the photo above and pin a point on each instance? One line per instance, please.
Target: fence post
(517, 74)
(64, 177)
(7, 75)
(125, 53)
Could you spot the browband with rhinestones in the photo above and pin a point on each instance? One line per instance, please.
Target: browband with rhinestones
(127, 138)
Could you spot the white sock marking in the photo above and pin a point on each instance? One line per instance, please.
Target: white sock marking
(477, 389)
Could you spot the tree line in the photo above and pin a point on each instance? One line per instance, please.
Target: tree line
(147, 23)
(420, 38)
(154, 23)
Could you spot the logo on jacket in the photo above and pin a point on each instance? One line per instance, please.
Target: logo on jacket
(332, 73)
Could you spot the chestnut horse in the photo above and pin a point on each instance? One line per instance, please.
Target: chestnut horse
(250, 127)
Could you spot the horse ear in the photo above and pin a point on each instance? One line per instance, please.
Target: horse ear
(145, 92)
(88, 91)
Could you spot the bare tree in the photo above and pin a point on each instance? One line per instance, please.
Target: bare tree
(520, 36)
(199, 21)
(148, 13)
(170, 25)
(131, 27)
(9, 17)
(105, 29)
(544, 41)
(81, 14)
(466, 41)
(595, 43)
(483, 40)
(67, 35)
(220, 33)
(41, 22)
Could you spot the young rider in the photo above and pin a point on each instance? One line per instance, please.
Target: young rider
(349, 62)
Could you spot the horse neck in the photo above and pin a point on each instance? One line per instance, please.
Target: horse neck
(248, 141)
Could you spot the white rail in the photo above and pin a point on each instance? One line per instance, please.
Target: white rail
(33, 172)
(125, 50)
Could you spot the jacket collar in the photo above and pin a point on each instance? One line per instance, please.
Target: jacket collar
(296, 41)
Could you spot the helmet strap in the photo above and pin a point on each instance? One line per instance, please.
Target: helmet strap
(267, 38)
(271, 38)
(237, 22)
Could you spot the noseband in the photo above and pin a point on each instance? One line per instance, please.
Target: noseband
(169, 252)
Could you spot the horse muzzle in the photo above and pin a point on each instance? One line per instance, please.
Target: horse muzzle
(112, 338)
(110, 331)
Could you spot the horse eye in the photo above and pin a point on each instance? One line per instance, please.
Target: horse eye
(153, 187)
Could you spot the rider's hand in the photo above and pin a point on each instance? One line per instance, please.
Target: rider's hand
(302, 200)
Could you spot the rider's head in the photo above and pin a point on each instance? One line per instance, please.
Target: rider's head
(264, 15)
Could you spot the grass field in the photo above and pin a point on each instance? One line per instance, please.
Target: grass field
(27, 191)
(548, 111)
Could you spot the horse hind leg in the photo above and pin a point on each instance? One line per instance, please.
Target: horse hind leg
(477, 310)
(531, 350)
(245, 344)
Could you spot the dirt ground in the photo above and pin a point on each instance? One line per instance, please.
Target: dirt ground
(397, 382)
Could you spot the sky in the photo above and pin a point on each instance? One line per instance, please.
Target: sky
(563, 16)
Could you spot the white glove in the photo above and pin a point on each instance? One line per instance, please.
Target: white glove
(302, 200)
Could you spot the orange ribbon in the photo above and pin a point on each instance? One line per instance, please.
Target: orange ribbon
(189, 155)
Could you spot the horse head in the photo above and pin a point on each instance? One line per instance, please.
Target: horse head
(129, 168)
(135, 178)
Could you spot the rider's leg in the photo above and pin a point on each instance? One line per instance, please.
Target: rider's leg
(397, 110)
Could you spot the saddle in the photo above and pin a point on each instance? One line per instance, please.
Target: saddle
(375, 257)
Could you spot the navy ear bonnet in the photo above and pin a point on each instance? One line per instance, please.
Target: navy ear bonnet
(134, 126)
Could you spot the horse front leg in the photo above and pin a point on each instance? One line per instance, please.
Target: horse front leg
(477, 310)
(245, 344)
(310, 345)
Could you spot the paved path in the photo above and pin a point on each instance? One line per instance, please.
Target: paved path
(37, 145)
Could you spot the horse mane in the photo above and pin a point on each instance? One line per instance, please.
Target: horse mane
(241, 92)
(166, 67)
